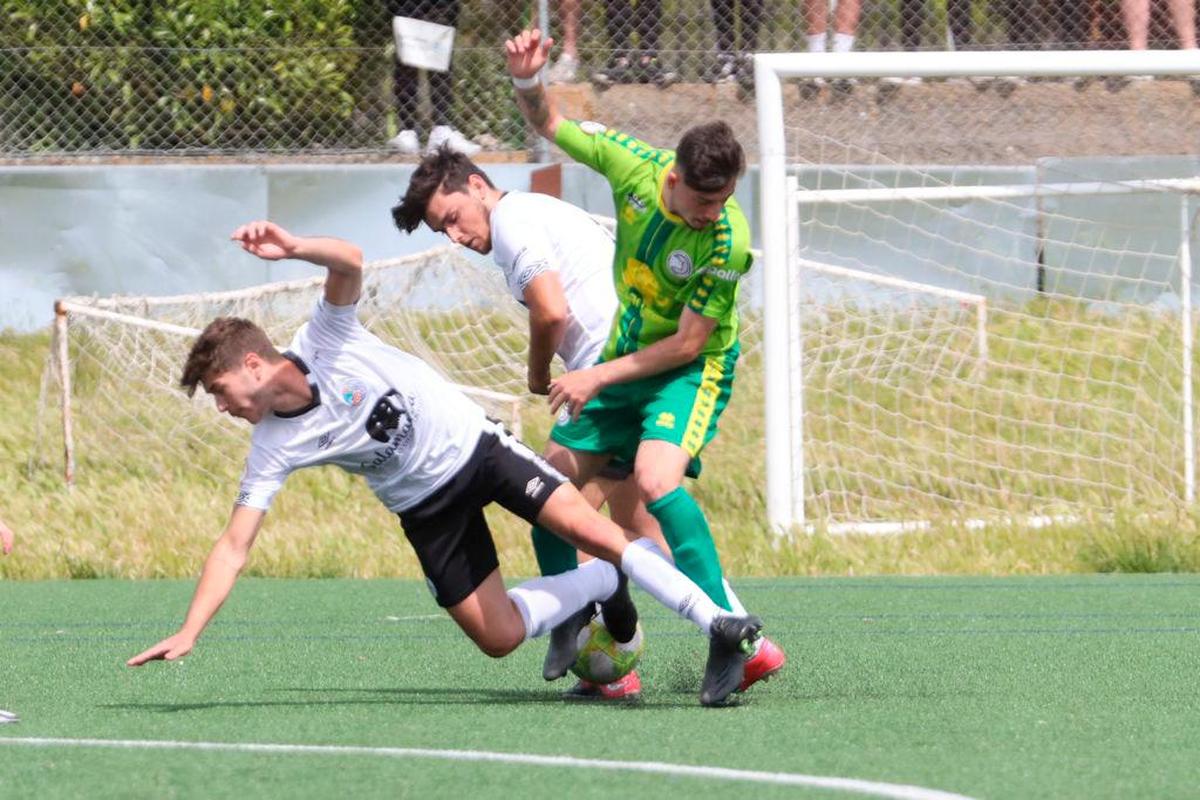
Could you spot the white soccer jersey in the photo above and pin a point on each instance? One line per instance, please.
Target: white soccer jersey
(533, 233)
(377, 412)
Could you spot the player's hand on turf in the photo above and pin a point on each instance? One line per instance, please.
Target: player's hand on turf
(6, 538)
(574, 389)
(265, 239)
(168, 649)
(527, 53)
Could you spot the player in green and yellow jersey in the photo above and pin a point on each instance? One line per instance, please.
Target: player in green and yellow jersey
(666, 372)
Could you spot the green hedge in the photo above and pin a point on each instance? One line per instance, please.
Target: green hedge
(148, 75)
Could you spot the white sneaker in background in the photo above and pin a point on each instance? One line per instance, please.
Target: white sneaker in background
(445, 135)
(406, 142)
(565, 70)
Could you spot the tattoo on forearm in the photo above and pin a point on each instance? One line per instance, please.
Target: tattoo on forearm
(534, 106)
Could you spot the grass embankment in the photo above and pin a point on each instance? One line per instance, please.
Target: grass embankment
(1073, 411)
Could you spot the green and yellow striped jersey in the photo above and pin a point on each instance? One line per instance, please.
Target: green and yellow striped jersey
(661, 265)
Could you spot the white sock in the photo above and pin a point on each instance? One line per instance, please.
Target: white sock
(668, 585)
(816, 42)
(843, 42)
(736, 607)
(545, 602)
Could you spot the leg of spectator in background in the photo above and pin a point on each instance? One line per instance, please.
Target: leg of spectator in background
(405, 86)
(912, 23)
(1071, 25)
(845, 28)
(845, 25)
(647, 67)
(816, 27)
(816, 13)
(958, 13)
(618, 21)
(751, 19)
(724, 66)
(1136, 15)
(441, 92)
(1183, 16)
(566, 68)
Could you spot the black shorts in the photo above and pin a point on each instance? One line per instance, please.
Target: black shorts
(448, 530)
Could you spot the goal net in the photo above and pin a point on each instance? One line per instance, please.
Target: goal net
(978, 293)
(116, 361)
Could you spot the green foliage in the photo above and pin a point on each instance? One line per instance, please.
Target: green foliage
(214, 74)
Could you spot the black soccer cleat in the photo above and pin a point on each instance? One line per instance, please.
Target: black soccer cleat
(564, 643)
(729, 641)
(619, 612)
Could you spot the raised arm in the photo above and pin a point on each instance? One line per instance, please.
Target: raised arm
(221, 570)
(527, 53)
(343, 259)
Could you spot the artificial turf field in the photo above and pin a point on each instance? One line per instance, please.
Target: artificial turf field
(1077, 686)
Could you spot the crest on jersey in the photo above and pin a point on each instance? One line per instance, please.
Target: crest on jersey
(680, 264)
(352, 393)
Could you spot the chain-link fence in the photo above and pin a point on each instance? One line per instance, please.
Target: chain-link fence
(313, 77)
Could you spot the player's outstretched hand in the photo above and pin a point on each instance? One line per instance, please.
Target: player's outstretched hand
(574, 389)
(527, 52)
(265, 239)
(168, 649)
(6, 538)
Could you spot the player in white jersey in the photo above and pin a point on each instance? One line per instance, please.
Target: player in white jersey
(557, 261)
(339, 395)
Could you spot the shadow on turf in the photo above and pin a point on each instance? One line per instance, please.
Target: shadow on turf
(428, 696)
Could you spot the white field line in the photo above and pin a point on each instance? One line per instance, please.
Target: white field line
(852, 785)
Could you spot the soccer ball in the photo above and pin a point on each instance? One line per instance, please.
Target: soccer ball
(601, 658)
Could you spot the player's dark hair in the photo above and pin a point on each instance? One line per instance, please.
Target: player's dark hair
(443, 168)
(709, 157)
(221, 346)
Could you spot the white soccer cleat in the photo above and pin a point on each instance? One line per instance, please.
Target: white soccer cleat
(7, 717)
(445, 135)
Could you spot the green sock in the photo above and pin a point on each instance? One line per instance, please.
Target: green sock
(687, 534)
(554, 556)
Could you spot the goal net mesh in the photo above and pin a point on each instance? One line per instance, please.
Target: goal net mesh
(985, 287)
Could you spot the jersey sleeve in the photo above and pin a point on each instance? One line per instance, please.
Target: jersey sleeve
(522, 251)
(613, 154)
(716, 290)
(329, 326)
(262, 478)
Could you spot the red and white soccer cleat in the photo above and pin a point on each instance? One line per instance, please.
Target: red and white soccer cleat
(762, 665)
(627, 689)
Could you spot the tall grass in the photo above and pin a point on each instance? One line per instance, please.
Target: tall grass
(155, 482)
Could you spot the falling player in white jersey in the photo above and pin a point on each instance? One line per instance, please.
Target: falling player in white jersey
(557, 261)
(339, 395)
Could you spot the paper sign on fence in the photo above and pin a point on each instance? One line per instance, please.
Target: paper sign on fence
(426, 45)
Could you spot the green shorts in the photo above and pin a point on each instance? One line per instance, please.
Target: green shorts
(681, 407)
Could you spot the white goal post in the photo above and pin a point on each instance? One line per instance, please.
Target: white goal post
(1087, 468)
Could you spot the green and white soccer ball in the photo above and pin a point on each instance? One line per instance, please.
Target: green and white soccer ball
(601, 658)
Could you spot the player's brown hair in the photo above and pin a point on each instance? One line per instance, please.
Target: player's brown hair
(443, 168)
(709, 156)
(221, 346)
